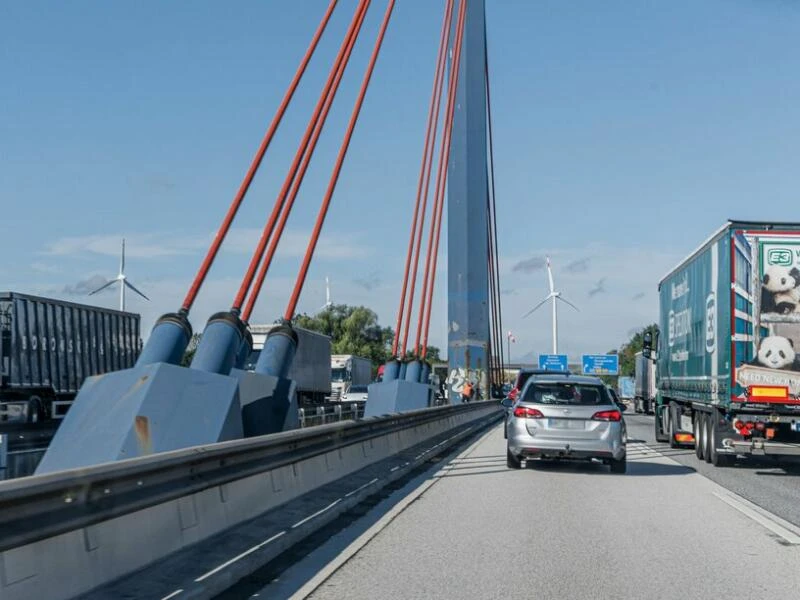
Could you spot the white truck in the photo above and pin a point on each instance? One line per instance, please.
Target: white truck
(310, 365)
(347, 370)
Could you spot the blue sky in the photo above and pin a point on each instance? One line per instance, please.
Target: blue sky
(625, 133)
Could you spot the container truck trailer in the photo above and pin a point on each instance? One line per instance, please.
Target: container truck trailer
(347, 370)
(728, 368)
(48, 347)
(644, 393)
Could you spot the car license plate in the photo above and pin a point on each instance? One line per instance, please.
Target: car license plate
(565, 424)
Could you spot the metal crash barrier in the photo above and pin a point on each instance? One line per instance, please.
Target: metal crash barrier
(66, 533)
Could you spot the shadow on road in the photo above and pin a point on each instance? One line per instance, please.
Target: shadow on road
(635, 468)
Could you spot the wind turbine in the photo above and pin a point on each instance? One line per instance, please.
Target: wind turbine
(328, 302)
(123, 282)
(555, 297)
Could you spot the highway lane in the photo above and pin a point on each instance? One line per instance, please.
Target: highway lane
(479, 530)
(772, 484)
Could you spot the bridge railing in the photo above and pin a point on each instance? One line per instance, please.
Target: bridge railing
(330, 413)
(72, 531)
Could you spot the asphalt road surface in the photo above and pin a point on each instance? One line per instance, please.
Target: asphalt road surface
(472, 528)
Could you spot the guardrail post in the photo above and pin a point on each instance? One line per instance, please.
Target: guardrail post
(337, 411)
(3, 455)
(302, 414)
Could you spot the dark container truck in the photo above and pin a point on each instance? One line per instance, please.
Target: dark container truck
(48, 347)
(728, 368)
(644, 384)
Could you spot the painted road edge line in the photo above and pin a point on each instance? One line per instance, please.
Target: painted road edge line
(354, 547)
(761, 516)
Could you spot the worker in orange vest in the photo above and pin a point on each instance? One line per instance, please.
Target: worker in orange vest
(466, 392)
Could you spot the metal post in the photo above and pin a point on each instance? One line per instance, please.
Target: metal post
(467, 244)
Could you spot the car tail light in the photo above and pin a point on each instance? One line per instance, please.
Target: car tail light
(524, 412)
(607, 415)
(750, 425)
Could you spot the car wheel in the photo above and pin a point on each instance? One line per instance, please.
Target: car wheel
(619, 466)
(512, 462)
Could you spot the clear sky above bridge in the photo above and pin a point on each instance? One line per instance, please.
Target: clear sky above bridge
(625, 133)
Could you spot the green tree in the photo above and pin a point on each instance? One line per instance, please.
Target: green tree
(188, 355)
(355, 330)
(627, 352)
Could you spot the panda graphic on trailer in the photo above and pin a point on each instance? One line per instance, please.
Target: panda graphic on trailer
(777, 352)
(780, 290)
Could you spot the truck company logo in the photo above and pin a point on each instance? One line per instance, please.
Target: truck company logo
(680, 324)
(711, 325)
(680, 289)
(780, 256)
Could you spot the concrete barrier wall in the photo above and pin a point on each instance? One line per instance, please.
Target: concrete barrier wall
(72, 563)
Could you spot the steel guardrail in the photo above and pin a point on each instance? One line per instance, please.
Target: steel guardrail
(39, 507)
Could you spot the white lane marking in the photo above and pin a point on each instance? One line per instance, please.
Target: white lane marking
(173, 594)
(763, 517)
(361, 487)
(318, 513)
(393, 469)
(239, 557)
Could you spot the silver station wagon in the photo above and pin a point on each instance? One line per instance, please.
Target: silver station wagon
(567, 417)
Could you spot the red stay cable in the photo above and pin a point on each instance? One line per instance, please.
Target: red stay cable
(424, 176)
(262, 149)
(247, 280)
(301, 173)
(438, 204)
(323, 211)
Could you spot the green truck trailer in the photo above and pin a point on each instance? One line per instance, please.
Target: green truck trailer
(728, 357)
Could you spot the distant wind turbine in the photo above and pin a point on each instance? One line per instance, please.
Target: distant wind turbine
(554, 296)
(328, 303)
(123, 282)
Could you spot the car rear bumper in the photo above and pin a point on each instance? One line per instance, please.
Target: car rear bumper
(527, 446)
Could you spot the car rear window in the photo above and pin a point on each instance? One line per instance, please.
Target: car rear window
(565, 393)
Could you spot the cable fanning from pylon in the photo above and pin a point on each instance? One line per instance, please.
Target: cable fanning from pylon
(205, 266)
(323, 211)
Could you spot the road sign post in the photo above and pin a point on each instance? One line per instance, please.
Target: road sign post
(600, 364)
(553, 362)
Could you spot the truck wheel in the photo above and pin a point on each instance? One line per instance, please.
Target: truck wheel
(716, 458)
(660, 424)
(33, 410)
(698, 434)
(706, 437)
(512, 462)
(674, 423)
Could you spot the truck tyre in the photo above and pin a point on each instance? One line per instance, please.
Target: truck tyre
(716, 458)
(660, 422)
(512, 462)
(704, 431)
(674, 423)
(33, 410)
(646, 407)
(698, 428)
